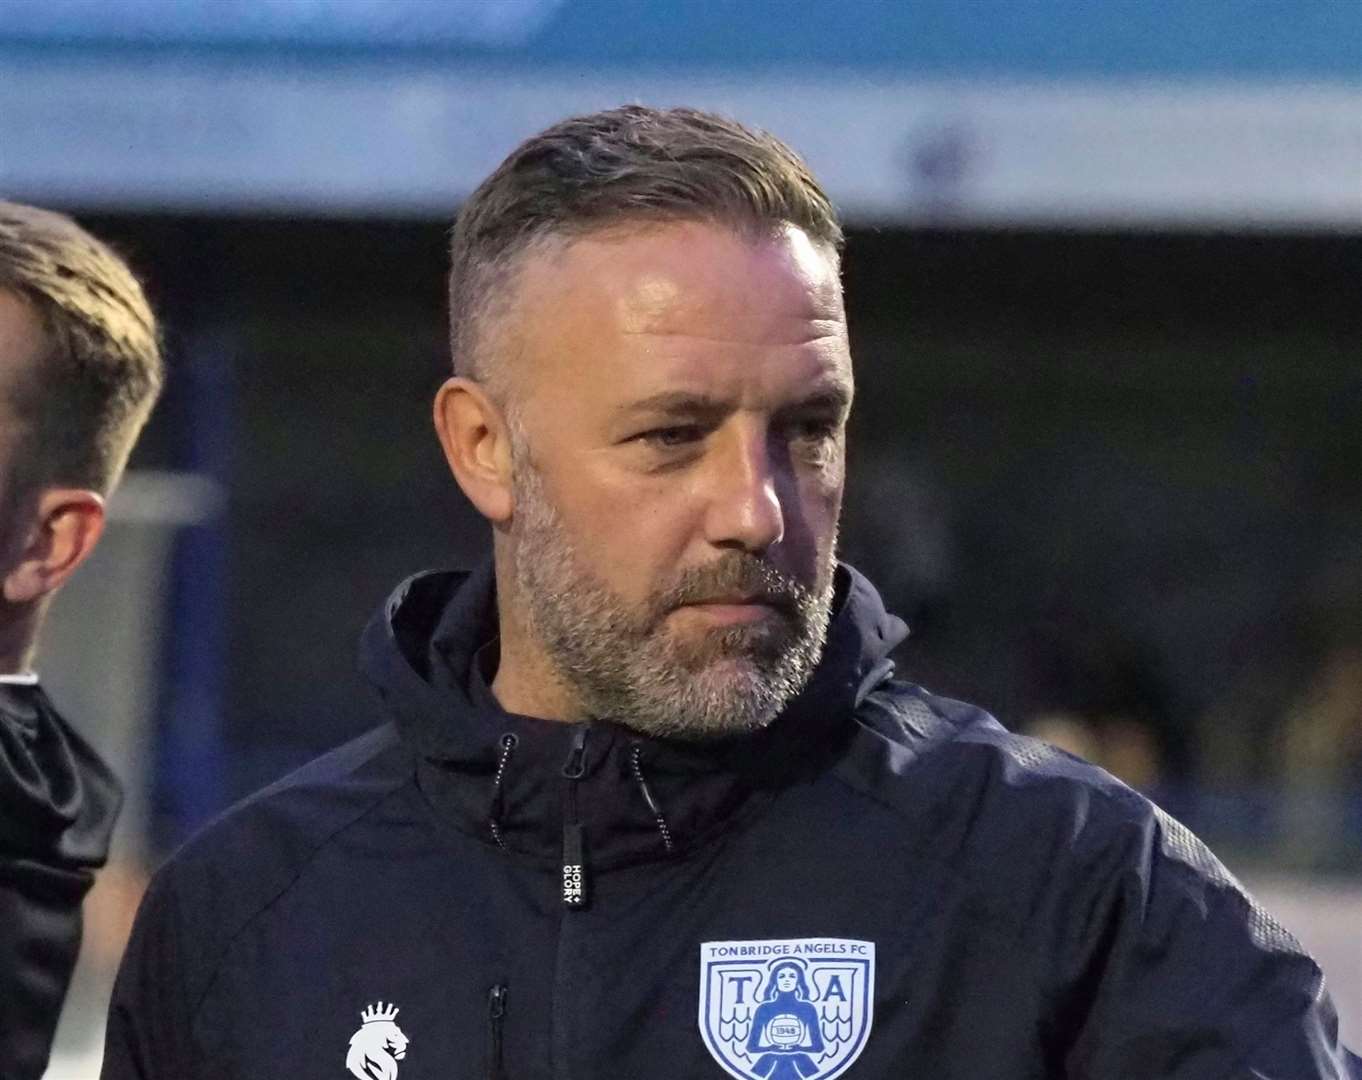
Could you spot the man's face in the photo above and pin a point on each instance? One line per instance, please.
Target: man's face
(679, 408)
(21, 346)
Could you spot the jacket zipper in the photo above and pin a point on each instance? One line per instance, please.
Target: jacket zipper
(574, 854)
(496, 1012)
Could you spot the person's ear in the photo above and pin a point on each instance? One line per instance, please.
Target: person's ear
(66, 525)
(477, 445)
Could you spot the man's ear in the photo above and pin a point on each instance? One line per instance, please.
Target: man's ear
(65, 528)
(477, 445)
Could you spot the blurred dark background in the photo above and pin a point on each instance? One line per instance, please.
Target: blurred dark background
(1110, 478)
(1102, 276)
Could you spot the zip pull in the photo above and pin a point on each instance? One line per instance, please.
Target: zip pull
(496, 1011)
(574, 865)
(574, 847)
(575, 766)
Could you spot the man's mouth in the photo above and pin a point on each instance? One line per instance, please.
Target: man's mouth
(734, 610)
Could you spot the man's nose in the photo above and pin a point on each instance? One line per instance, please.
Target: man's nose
(745, 508)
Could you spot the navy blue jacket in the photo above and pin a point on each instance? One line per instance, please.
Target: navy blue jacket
(882, 884)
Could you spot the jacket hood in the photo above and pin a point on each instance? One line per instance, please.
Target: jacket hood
(499, 774)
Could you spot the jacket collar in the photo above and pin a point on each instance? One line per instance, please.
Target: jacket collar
(501, 776)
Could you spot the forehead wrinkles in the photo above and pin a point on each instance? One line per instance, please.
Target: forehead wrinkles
(662, 308)
(775, 290)
(568, 298)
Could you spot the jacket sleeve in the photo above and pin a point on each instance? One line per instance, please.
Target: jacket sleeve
(148, 1033)
(150, 1013)
(58, 803)
(1182, 976)
(40, 930)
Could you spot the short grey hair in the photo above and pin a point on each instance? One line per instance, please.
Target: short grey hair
(628, 165)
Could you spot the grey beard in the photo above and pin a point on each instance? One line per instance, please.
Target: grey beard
(623, 665)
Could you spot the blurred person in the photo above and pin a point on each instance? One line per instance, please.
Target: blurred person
(1319, 755)
(80, 369)
(646, 799)
(1122, 745)
(1317, 751)
(1070, 732)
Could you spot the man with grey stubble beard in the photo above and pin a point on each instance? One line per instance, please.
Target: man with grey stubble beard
(646, 798)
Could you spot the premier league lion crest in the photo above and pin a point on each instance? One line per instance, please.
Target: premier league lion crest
(379, 1044)
(796, 1009)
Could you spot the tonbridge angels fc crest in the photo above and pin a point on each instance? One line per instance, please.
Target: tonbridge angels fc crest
(790, 1009)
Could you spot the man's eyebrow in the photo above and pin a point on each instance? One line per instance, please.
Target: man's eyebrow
(676, 401)
(834, 396)
(831, 395)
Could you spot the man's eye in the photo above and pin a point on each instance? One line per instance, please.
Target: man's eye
(671, 437)
(814, 429)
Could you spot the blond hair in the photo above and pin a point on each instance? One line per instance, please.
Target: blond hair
(83, 404)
